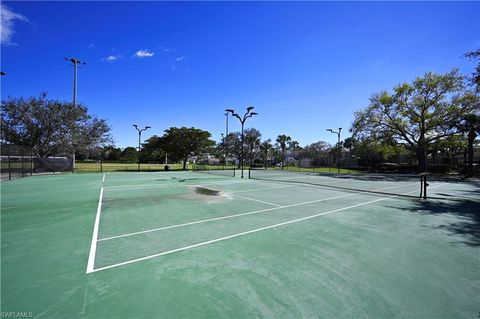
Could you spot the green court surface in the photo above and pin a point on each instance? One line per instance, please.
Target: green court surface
(193, 245)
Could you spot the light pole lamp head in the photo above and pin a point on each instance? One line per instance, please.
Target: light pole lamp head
(339, 129)
(253, 113)
(329, 130)
(135, 126)
(2, 73)
(147, 127)
(250, 108)
(229, 111)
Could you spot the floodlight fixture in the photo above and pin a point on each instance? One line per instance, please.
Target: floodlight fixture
(2, 73)
(338, 145)
(139, 139)
(242, 122)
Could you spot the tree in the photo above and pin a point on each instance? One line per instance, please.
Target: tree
(111, 153)
(232, 146)
(52, 127)
(265, 148)
(475, 55)
(152, 150)
(129, 155)
(293, 145)
(184, 142)
(252, 140)
(417, 113)
(470, 125)
(282, 141)
(315, 152)
(349, 142)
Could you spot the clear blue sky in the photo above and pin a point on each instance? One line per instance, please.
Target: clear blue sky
(304, 66)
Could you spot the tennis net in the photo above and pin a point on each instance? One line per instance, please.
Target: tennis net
(214, 170)
(407, 185)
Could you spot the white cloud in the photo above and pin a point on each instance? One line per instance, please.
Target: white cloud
(180, 58)
(111, 58)
(143, 54)
(7, 23)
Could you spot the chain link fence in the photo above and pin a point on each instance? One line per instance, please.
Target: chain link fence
(16, 161)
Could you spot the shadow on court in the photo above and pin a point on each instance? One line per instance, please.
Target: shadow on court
(463, 206)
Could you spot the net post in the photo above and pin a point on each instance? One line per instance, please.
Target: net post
(425, 184)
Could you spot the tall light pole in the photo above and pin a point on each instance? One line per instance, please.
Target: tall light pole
(224, 149)
(75, 63)
(242, 120)
(226, 121)
(338, 145)
(139, 139)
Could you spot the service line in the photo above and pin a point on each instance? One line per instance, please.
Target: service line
(239, 215)
(249, 232)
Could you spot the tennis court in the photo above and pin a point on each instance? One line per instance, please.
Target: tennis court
(276, 245)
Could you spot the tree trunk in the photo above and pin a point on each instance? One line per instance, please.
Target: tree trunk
(471, 139)
(283, 157)
(251, 156)
(422, 159)
(185, 163)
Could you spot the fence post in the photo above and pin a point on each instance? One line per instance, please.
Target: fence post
(23, 159)
(9, 165)
(31, 161)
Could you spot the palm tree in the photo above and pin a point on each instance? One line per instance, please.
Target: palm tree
(252, 139)
(265, 147)
(282, 141)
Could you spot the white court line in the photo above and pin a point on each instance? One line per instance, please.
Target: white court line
(237, 215)
(249, 232)
(263, 189)
(253, 199)
(223, 217)
(103, 179)
(173, 184)
(93, 245)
